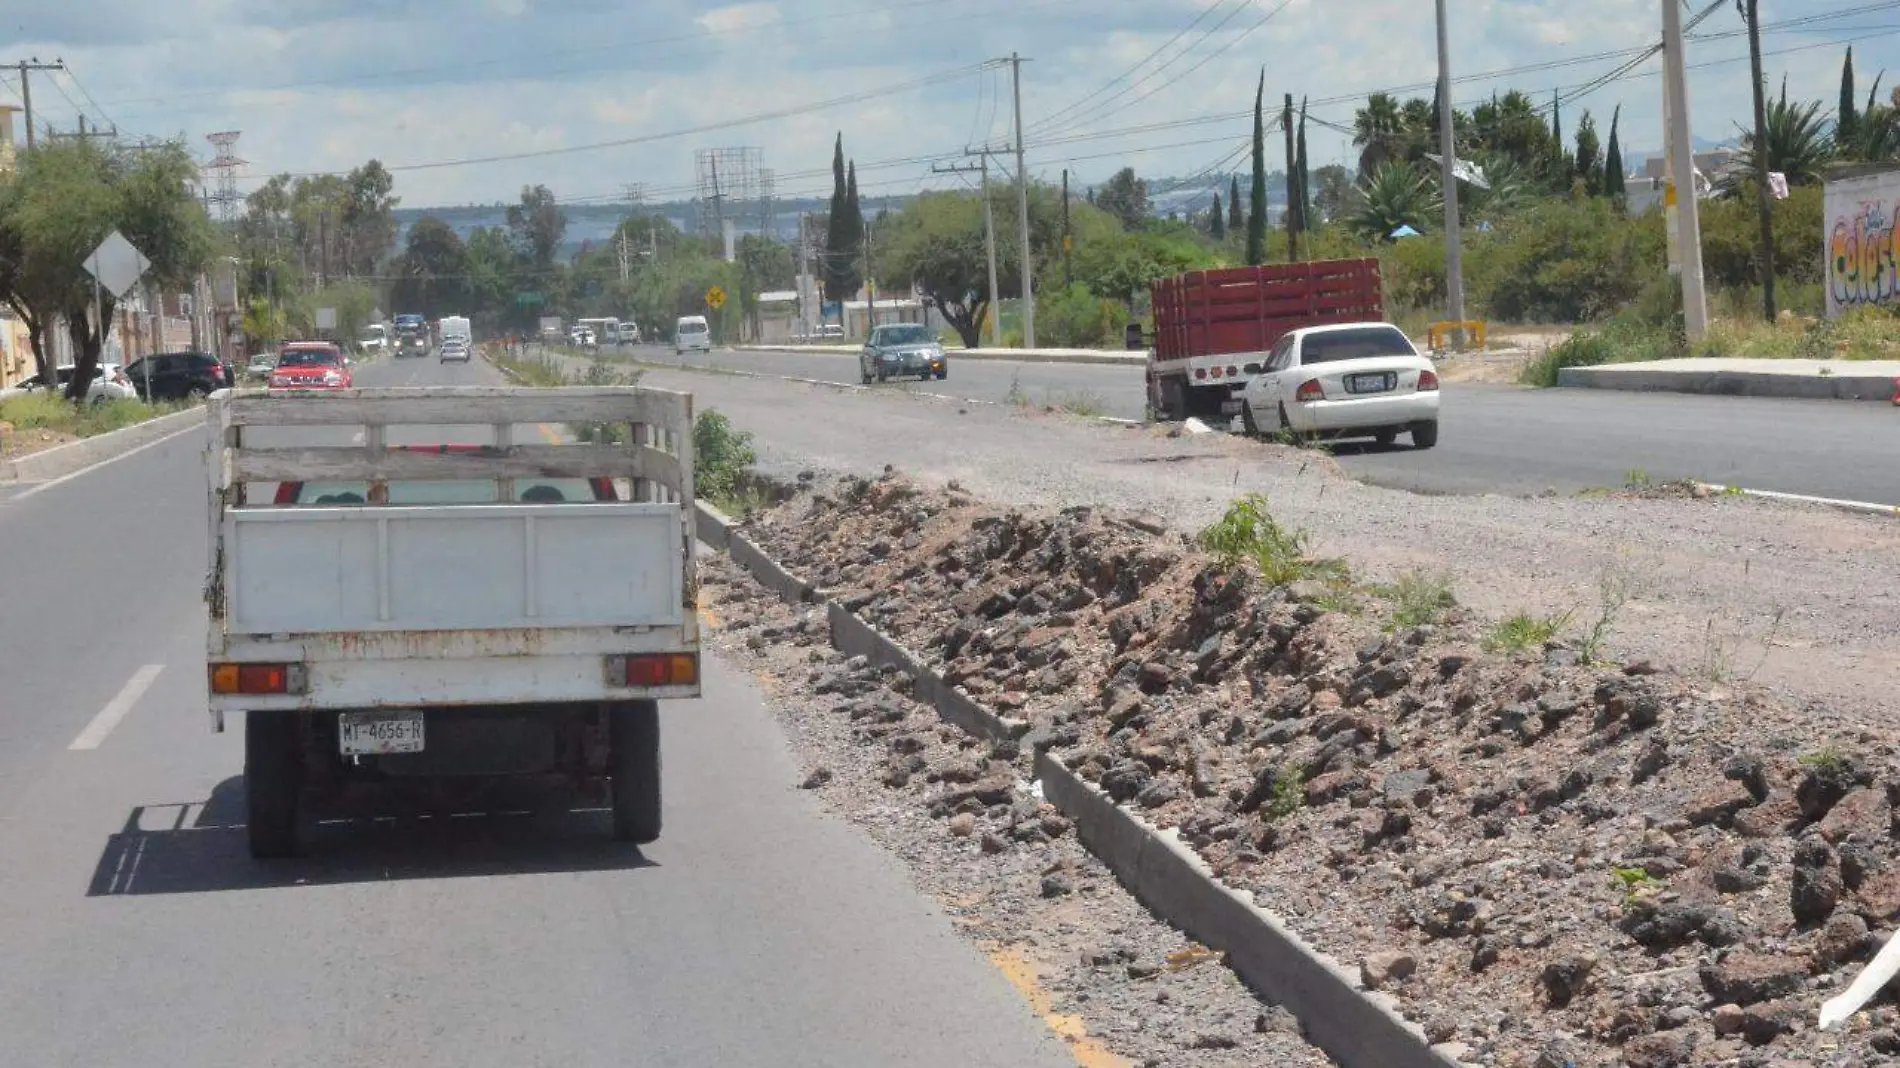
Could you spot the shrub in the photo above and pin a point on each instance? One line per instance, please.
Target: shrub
(1571, 261)
(1076, 318)
(1524, 632)
(721, 455)
(1249, 532)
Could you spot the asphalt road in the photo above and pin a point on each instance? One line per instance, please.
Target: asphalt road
(1496, 439)
(137, 932)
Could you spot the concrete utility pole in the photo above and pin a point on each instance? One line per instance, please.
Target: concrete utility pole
(1022, 208)
(1292, 215)
(1764, 201)
(1448, 169)
(26, 67)
(989, 240)
(1695, 305)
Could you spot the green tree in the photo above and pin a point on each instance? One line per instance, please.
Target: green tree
(1379, 132)
(1396, 195)
(368, 217)
(837, 253)
(536, 227)
(1798, 143)
(851, 264)
(1236, 215)
(491, 281)
(1588, 167)
(56, 205)
(1846, 122)
(1333, 192)
(1303, 179)
(1613, 181)
(1217, 221)
(1126, 198)
(1257, 206)
(936, 246)
(433, 275)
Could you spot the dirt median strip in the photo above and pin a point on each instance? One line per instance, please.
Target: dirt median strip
(1541, 859)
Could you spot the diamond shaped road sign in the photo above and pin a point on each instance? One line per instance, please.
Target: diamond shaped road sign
(117, 264)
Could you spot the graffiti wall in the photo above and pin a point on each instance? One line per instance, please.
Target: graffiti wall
(1862, 242)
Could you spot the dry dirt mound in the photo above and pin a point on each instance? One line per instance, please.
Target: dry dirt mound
(1548, 861)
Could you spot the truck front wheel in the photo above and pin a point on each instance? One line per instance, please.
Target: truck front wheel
(633, 740)
(273, 783)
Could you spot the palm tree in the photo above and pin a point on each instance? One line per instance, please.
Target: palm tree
(1798, 141)
(1395, 195)
(1379, 132)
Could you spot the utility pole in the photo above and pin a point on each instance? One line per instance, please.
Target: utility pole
(1448, 170)
(1022, 208)
(1695, 306)
(1764, 201)
(27, 67)
(1068, 246)
(989, 240)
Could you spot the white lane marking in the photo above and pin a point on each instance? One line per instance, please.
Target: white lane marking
(90, 468)
(115, 710)
(1802, 498)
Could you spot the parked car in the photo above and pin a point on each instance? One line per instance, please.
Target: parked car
(902, 349)
(180, 375)
(311, 365)
(1352, 380)
(828, 332)
(108, 383)
(260, 366)
(691, 333)
(454, 349)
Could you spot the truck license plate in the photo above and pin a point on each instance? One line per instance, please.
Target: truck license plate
(376, 733)
(1368, 383)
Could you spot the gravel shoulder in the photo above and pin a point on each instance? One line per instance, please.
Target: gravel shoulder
(1730, 590)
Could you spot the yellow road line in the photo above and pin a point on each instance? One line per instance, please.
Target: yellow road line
(1021, 973)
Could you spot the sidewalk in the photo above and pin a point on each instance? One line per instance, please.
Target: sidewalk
(1114, 357)
(1865, 380)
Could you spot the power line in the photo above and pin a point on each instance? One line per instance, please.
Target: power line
(98, 112)
(1049, 120)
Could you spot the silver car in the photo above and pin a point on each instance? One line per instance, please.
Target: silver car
(898, 349)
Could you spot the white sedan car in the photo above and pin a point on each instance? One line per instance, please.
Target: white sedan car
(108, 383)
(1353, 380)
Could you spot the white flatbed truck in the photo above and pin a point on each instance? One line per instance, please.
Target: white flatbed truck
(446, 611)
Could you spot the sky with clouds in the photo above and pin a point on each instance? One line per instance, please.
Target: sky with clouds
(528, 86)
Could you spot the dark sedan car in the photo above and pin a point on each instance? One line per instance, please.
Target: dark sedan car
(902, 349)
(180, 376)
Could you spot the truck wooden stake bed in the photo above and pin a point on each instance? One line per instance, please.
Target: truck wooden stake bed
(437, 609)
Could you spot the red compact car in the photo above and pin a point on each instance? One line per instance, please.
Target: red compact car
(311, 365)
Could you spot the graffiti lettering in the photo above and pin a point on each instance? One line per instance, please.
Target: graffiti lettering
(1863, 263)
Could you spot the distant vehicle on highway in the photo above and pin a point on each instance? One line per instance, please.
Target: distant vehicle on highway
(828, 332)
(629, 334)
(375, 340)
(454, 349)
(1354, 380)
(108, 383)
(260, 366)
(311, 365)
(180, 375)
(902, 349)
(691, 334)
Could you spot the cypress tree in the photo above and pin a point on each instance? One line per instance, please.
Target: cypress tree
(1257, 208)
(1847, 126)
(851, 262)
(1217, 221)
(1613, 186)
(1236, 215)
(835, 239)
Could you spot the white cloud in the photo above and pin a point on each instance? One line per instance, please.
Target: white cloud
(738, 17)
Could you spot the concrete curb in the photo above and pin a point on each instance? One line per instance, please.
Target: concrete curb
(76, 455)
(1357, 1028)
(1636, 378)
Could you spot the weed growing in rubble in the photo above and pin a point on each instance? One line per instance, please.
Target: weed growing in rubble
(1614, 589)
(721, 456)
(1720, 650)
(1017, 395)
(1826, 758)
(1086, 404)
(1289, 795)
(1524, 632)
(1248, 532)
(1419, 599)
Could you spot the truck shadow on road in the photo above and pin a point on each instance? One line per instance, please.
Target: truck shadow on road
(199, 847)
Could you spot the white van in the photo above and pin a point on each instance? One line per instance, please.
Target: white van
(691, 332)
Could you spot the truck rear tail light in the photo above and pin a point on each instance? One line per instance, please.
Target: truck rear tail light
(1310, 391)
(1200, 373)
(1231, 373)
(258, 678)
(1427, 382)
(653, 669)
(1216, 372)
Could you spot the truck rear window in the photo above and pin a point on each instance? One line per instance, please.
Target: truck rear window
(472, 491)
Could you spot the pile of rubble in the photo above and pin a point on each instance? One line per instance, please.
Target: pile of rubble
(1546, 862)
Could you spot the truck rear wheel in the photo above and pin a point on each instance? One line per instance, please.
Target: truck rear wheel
(273, 783)
(633, 742)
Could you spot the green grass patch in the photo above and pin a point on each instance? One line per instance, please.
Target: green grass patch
(1524, 632)
(1419, 599)
(1248, 533)
(40, 411)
